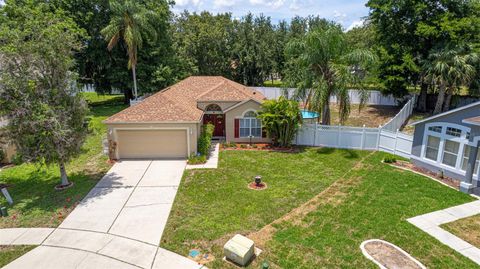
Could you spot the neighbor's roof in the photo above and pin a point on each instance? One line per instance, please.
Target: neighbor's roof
(446, 113)
(178, 103)
(473, 121)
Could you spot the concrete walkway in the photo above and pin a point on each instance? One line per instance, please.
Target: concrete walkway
(119, 224)
(430, 223)
(212, 162)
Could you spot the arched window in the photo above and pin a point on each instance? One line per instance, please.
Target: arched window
(250, 125)
(213, 108)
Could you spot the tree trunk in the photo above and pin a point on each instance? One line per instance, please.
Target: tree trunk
(326, 114)
(440, 99)
(422, 99)
(135, 92)
(63, 175)
(127, 93)
(448, 100)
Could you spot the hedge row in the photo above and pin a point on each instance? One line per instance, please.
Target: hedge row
(205, 139)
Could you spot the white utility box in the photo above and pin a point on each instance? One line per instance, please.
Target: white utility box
(239, 250)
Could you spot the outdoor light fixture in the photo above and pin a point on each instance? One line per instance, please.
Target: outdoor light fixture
(251, 137)
(258, 180)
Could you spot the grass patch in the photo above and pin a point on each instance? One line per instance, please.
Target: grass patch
(95, 99)
(467, 229)
(212, 205)
(10, 253)
(37, 204)
(373, 200)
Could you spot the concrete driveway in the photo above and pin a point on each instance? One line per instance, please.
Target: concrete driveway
(119, 224)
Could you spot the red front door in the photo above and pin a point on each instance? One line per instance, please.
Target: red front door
(218, 120)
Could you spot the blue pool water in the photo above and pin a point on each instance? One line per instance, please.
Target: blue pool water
(309, 115)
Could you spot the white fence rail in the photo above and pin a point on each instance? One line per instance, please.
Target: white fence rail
(386, 138)
(400, 119)
(376, 97)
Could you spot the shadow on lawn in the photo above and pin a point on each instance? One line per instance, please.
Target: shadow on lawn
(347, 153)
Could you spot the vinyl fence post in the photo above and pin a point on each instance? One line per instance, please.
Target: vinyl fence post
(339, 135)
(378, 136)
(396, 139)
(315, 134)
(362, 145)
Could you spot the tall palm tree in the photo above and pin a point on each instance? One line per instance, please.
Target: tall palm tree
(322, 65)
(448, 69)
(130, 23)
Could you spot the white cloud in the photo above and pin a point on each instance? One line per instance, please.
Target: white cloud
(355, 24)
(224, 3)
(270, 3)
(185, 3)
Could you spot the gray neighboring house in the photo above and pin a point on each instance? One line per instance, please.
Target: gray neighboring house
(449, 143)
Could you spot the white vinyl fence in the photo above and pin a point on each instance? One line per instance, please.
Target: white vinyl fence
(376, 97)
(363, 138)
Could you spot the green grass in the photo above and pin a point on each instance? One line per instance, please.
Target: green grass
(37, 204)
(10, 253)
(467, 229)
(371, 201)
(95, 99)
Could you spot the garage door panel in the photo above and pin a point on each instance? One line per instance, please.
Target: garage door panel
(135, 144)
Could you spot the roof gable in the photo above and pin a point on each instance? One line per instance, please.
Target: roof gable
(457, 110)
(178, 103)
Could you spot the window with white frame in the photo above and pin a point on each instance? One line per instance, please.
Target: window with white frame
(446, 144)
(250, 125)
(433, 146)
(466, 158)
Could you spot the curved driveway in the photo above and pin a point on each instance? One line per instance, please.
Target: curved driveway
(119, 224)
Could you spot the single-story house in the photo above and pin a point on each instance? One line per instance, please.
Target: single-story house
(168, 123)
(449, 143)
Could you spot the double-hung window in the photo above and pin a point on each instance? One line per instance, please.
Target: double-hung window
(466, 158)
(433, 146)
(450, 153)
(250, 125)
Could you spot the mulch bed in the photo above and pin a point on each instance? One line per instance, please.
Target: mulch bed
(389, 256)
(260, 147)
(447, 180)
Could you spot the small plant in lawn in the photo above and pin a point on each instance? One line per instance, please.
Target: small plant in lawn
(390, 159)
(243, 146)
(254, 146)
(197, 160)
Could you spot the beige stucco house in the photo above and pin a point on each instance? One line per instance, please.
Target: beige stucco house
(168, 123)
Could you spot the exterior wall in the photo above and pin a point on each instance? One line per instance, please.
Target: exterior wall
(238, 112)
(453, 118)
(223, 105)
(193, 130)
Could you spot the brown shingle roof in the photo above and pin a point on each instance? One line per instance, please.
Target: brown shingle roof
(178, 103)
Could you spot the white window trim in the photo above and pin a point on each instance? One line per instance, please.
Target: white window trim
(250, 128)
(443, 136)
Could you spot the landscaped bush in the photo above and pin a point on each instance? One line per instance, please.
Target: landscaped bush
(197, 160)
(205, 139)
(390, 159)
(281, 118)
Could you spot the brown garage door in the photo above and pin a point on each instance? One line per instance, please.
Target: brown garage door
(136, 144)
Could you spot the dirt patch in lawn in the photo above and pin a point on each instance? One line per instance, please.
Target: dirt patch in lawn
(444, 179)
(334, 194)
(468, 229)
(370, 115)
(389, 256)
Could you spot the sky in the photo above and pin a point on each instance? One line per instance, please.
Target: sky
(348, 13)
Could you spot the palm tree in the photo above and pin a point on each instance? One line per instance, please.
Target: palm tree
(321, 65)
(448, 69)
(130, 23)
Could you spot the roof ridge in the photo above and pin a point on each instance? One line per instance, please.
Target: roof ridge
(211, 90)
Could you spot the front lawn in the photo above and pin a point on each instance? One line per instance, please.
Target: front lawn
(10, 253)
(37, 204)
(356, 198)
(467, 229)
